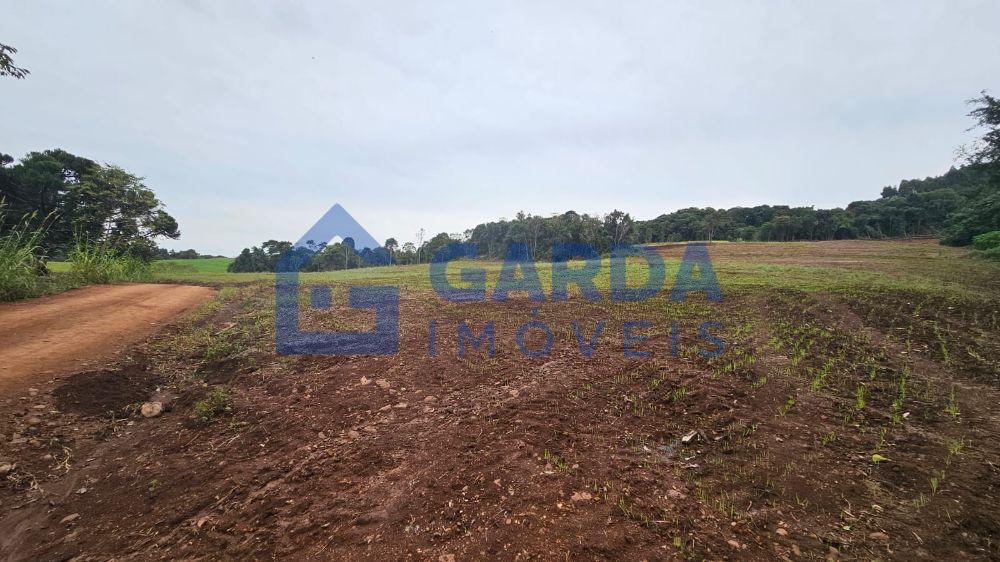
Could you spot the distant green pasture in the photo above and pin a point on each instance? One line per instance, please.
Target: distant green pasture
(945, 275)
(733, 276)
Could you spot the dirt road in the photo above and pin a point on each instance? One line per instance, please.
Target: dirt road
(77, 329)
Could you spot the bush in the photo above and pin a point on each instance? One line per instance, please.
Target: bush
(991, 254)
(987, 241)
(20, 262)
(217, 402)
(974, 219)
(100, 263)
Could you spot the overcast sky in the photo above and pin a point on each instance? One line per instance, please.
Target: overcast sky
(249, 120)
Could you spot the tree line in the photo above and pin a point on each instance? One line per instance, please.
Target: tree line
(956, 207)
(189, 254)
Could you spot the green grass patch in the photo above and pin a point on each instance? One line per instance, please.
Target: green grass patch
(199, 265)
(218, 402)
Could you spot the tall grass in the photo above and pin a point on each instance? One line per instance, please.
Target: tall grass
(19, 258)
(99, 263)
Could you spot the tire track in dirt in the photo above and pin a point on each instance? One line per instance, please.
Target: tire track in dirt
(80, 328)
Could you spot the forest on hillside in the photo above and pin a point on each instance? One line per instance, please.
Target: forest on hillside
(955, 206)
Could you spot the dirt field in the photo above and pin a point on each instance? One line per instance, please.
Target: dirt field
(849, 417)
(68, 332)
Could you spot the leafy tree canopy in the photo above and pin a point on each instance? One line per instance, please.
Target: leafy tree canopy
(77, 198)
(7, 66)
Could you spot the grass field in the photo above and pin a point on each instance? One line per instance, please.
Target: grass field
(201, 265)
(920, 265)
(853, 411)
(168, 267)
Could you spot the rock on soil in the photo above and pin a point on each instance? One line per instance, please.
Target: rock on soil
(879, 536)
(151, 409)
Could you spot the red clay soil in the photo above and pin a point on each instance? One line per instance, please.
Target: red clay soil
(764, 453)
(80, 328)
